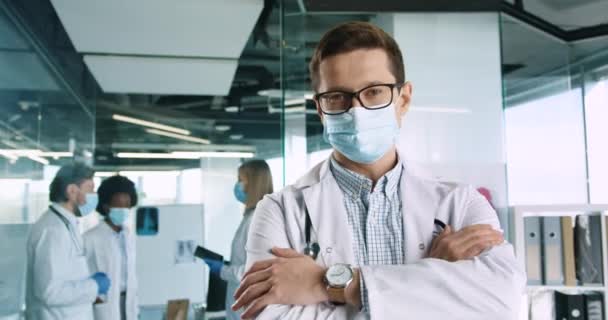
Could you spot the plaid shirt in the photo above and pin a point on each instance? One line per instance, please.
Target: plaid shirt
(375, 216)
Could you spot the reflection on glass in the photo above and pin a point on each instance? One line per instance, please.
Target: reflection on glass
(546, 151)
(596, 113)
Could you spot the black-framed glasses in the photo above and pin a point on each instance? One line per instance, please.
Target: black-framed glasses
(374, 97)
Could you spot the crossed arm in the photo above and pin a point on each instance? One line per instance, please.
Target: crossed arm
(294, 279)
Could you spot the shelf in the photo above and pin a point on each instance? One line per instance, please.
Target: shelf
(580, 288)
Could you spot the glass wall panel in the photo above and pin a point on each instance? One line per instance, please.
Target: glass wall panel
(544, 119)
(43, 125)
(596, 117)
(555, 110)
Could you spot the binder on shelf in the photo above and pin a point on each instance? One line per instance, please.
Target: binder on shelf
(569, 306)
(532, 232)
(568, 251)
(552, 251)
(594, 306)
(588, 249)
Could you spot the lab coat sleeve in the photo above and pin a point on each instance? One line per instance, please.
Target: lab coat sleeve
(268, 230)
(489, 286)
(232, 273)
(89, 247)
(51, 255)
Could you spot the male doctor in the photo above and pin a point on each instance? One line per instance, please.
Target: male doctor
(59, 283)
(392, 245)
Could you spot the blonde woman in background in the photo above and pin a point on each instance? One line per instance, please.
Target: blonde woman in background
(254, 182)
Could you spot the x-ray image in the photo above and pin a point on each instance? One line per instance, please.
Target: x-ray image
(147, 221)
(184, 251)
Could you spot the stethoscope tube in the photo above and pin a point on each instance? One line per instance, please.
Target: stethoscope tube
(312, 248)
(67, 225)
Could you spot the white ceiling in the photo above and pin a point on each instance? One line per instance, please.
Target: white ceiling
(192, 28)
(189, 40)
(150, 75)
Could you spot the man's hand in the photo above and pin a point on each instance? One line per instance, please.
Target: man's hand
(466, 243)
(291, 278)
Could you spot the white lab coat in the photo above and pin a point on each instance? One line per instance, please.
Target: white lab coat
(103, 252)
(233, 273)
(58, 278)
(486, 287)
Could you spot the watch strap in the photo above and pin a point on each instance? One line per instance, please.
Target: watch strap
(337, 296)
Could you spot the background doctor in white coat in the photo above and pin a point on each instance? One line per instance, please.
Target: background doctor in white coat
(110, 248)
(59, 282)
(374, 219)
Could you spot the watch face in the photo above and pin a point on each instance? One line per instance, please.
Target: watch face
(339, 275)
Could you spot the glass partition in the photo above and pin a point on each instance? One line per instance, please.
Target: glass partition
(43, 125)
(554, 111)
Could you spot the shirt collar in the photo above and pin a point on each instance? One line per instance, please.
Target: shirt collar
(68, 215)
(122, 231)
(353, 184)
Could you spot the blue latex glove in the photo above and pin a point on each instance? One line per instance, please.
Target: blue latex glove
(214, 265)
(103, 282)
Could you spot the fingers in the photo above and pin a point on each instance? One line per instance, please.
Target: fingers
(285, 252)
(251, 294)
(256, 307)
(252, 279)
(260, 265)
(446, 232)
(476, 227)
(474, 244)
(480, 235)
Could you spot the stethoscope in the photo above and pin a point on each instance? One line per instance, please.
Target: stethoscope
(67, 225)
(312, 248)
(439, 227)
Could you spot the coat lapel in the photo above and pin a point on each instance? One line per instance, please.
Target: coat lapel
(329, 218)
(418, 216)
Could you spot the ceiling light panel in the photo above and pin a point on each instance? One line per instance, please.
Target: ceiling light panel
(192, 28)
(147, 75)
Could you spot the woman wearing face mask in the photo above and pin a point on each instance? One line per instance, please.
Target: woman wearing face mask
(110, 248)
(254, 182)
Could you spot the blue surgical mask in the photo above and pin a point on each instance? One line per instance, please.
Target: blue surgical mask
(119, 216)
(239, 192)
(362, 135)
(89, 205)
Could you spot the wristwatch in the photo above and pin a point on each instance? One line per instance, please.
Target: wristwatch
(337, 279)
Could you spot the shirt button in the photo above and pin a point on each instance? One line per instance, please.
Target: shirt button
(328, 250)
(421, 246)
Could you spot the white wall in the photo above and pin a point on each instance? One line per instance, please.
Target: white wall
(455, 129)
(546, 151)
(596, 107)
(223, 212)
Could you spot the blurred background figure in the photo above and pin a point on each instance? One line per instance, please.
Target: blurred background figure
(254, 182)
(110, 248)
(59, 282)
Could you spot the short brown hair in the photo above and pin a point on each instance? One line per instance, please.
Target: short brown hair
(259, 181)
(351, 36)
(75, 173)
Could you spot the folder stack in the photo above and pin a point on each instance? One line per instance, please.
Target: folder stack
(550, 254)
